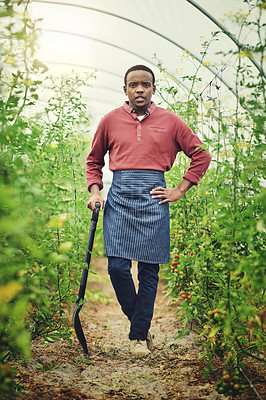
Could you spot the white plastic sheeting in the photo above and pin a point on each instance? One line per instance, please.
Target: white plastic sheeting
(110, 36)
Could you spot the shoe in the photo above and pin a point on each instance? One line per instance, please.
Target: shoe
(149, 341)
(139, 348)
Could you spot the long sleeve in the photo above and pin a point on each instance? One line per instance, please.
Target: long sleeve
(192, 146)
(95, 159)
(151, 143)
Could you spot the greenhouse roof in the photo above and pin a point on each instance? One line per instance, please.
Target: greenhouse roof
(110, 36)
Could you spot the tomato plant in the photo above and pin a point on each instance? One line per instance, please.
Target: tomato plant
(217, 228)
(44, 220)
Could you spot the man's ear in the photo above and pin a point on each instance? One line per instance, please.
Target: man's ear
(125, 89)
(154, 89)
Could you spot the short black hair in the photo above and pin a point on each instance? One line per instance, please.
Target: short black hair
(139, 68)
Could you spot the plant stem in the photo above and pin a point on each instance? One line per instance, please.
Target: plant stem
(58, 272)
(249, 382)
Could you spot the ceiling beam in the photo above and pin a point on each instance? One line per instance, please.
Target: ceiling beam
(226, 32)
(112, 45)
(140, 25)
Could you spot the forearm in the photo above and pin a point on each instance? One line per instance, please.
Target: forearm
(93, 174)
(95, 190)
(184, 186)
(193, 148)
(199, 164)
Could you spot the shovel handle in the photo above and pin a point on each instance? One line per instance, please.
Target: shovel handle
(92, 229)
(96, 211)
(93, 223)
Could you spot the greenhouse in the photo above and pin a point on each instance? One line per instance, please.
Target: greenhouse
(68, 109)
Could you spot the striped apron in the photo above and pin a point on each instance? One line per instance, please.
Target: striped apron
(135, 226)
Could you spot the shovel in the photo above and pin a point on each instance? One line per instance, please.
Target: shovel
(83, 282)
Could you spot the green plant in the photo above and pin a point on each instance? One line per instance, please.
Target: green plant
(217, 229)
(44, 220)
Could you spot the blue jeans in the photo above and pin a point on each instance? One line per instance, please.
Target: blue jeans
(138, 307)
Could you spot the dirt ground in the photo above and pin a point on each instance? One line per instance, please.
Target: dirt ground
(171, 372)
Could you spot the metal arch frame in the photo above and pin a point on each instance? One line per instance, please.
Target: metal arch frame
(225, 31)
(109, 44)
(88, 67)
(84, 66)
(96, 70)
(93, 68)
(138, 24)
(99, 41)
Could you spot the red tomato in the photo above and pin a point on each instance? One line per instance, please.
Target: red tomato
(226, 378)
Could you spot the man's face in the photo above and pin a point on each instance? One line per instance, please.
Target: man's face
(139, 90)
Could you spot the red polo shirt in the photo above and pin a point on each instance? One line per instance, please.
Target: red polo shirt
(151, 143)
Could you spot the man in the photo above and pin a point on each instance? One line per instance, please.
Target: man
(142, 140)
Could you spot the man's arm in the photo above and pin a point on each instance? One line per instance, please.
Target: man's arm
(193, 148)
(95, 164)
(95, 159)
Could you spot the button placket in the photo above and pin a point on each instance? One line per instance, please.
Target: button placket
(139, 131)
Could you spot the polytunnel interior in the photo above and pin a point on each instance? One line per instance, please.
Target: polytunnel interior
(109, 36)
(209, 317)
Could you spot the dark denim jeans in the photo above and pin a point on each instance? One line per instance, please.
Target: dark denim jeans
(138, 307)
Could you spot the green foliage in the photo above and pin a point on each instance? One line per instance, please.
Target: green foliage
(44, 220)
(217, 229)
(217, 270)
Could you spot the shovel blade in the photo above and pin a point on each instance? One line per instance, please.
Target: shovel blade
(82, 288)
(78, 329)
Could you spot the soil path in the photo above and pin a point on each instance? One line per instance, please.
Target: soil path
(172, 371)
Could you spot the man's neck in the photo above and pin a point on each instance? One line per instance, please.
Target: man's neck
(139, 111)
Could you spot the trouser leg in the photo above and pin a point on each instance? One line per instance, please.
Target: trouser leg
(148, 282)
(119, 270)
